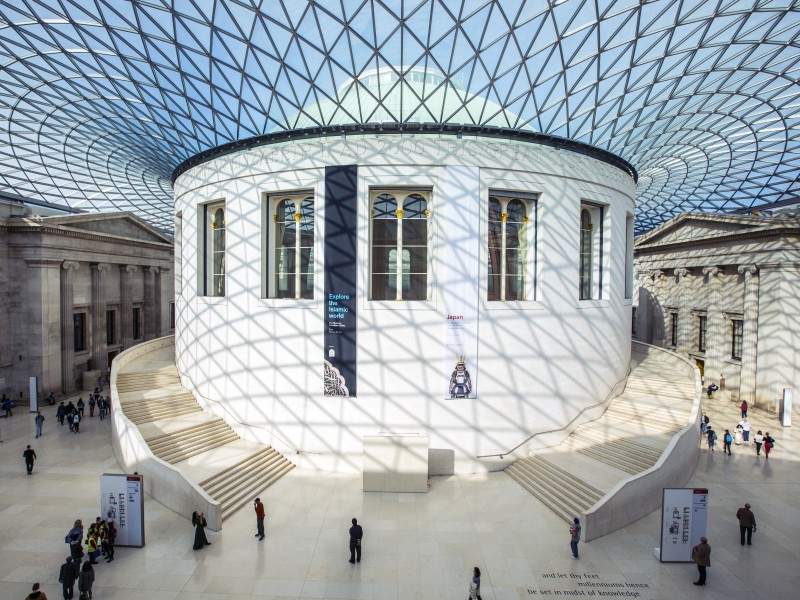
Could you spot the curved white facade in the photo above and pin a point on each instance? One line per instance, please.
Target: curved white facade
(534, 362)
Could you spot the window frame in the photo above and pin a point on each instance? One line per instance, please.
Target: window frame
(702, 333)
(598, 213)
(530, 201)
(737, 335)
(400, 192)
(673, 328)
(111, 325)
(137, 322)
(172, 316)
(206, 258)
(271, 200)
(634, 310)
(84, 337)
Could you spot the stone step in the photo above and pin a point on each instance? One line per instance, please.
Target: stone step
(149, 417)
(196, 444)
(186, 434)
(214, 483)
(259, 484)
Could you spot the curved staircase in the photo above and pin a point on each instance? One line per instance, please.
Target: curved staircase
(628, 439)
(202, 446)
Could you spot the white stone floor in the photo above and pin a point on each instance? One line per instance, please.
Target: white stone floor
(420, 546)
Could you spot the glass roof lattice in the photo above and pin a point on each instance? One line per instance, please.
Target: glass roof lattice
(100, 100)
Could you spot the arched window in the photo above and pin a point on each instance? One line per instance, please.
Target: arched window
(291, 264)
(214, 249)
(508, 243)
(399, 240)
(590, 261)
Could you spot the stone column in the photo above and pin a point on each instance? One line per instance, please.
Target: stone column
(658, 317)
(126, 304)
(98, 315)
(150, 302)
(68, 268)
(157, 272)
(747, 379)
(715, 327)
(643, 309)
(42, 326)
(684, 312)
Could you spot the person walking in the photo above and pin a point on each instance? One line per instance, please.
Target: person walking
(758, 440)
(743, 408)
(36, 593)
(746, 429)
(703, 425)
(61, 412)
(711, 439)
(727, 440)
(76, 422)
(6, 404)
(356, 535)
(92, 403)
(259, 508)
(747, 523)
(81, 406)
(86, 581)
(769, 443)
(39, 422)
(66, 577)
(575, 536)
(200, 539)
(475, 585)
(701, 555)
(29, 454)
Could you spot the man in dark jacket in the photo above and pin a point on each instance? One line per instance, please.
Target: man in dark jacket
(356, 533)
(259, 508)
(29, 455)
(701, 555)
(36, 594)
(66, 577)
(747, 523)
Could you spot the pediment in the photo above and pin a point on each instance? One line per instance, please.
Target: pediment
(121, 225)
(689, 228)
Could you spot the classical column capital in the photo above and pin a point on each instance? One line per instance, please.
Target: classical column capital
(101, 266)
(69, 265)
(747, 269)
(681, 272)
(711, 271)
(656, 274)
(129, 268)
(153, 270)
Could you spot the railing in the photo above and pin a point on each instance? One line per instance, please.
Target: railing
(565, 430)
(639, 495)
(162, 481)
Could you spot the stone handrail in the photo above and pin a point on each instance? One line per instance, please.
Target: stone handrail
(639, 495)
(163, 481)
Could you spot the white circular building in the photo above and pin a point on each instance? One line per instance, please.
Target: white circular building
(470, 284)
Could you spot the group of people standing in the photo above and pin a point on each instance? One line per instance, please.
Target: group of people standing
(100, 538)
(740, 436)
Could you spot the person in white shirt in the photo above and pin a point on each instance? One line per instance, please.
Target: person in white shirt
(746, 428)
(759, 439)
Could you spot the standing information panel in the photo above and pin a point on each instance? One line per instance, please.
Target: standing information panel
(684, 520)
(340, 280)
(122, 499)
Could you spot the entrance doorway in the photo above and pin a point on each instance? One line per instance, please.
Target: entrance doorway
(111, 356)
(700, 365)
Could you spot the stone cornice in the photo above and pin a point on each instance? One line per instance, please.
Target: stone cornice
(768, 230)
(81, 234)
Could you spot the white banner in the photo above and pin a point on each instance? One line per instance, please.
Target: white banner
(684, 520)
(458, 271)
(122, 499)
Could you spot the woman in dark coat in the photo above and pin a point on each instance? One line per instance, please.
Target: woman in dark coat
(86, 580)
(199, 522)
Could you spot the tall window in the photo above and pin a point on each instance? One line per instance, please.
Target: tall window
(737, 327)
(214, 246)
(633, 321)
(79, 332)
(178, 253)
(111, 327)
(629, 230)
(399, 234)
(508, 244)
(590, 260)
(291, 264)
(701, 333)
(137, 322)
(172, 315)
(673, 329)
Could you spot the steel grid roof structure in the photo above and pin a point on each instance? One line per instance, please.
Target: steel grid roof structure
(100, 100)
